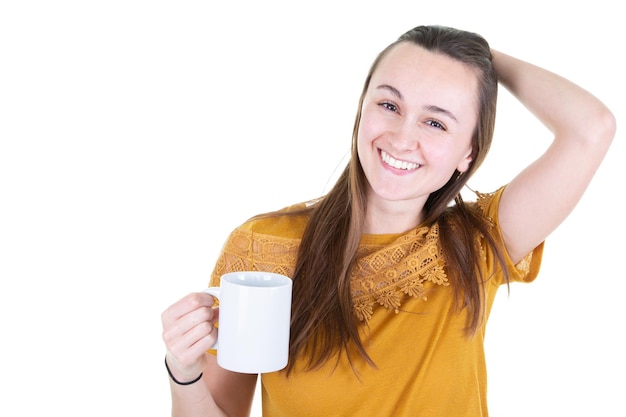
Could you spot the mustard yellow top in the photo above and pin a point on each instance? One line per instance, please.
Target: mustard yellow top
(425, 365)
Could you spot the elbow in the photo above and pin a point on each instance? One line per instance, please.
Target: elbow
(605, 128)
(596, 136)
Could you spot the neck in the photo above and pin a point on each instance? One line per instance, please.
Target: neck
(392, 217)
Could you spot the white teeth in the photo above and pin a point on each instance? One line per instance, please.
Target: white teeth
(398, 164)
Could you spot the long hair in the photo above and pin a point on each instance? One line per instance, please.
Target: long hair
(323, 322)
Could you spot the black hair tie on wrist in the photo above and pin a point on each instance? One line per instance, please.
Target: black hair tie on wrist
(177, 381)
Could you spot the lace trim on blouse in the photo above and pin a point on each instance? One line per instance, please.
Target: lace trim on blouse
(400, 268)
(247, 251)
(383, 274)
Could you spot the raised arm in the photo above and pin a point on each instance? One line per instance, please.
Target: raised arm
(544, 193)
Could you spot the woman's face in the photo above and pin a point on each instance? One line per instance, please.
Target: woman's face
(417, 120)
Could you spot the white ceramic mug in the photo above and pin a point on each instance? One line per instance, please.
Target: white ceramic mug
(254, 320)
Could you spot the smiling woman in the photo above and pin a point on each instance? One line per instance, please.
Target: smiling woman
(419, 110)
(136, 136)
(394, 274)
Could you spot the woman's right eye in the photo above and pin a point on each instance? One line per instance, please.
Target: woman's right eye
(389, 106)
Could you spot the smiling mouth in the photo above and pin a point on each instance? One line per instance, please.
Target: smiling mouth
(395, 163)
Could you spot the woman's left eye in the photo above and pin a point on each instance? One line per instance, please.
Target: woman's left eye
(436, 124)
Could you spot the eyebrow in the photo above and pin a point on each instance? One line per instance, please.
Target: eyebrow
(431, 107)
(391, 89)
(438, 109)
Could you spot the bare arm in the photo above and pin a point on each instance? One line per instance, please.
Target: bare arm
(188, 332)
(543, 195)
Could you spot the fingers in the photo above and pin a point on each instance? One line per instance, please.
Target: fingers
(188, 303)
(189, 329)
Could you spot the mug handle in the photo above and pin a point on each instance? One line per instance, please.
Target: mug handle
(215, 292)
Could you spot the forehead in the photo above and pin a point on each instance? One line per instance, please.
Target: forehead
(428, 76)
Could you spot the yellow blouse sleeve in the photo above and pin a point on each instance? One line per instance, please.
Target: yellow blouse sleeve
(525, 270)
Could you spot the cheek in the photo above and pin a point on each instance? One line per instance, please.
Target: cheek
(361, 146)
(435, 150)
(450, 150)
(365, 127)
(446, 157)
(365, 135)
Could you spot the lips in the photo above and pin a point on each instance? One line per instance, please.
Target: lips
(396, 163)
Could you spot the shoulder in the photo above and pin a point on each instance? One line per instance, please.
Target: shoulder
(288, 222)
(525, 270)
(487, 203)
(267, 242)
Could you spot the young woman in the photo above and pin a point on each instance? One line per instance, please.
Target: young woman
(393, 273)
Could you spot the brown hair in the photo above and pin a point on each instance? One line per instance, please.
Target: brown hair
(323, 322)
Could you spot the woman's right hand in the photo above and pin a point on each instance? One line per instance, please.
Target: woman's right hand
(188, 332)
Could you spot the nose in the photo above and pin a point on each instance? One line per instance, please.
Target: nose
(405, 137)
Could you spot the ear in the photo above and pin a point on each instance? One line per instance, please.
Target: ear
(465, 162)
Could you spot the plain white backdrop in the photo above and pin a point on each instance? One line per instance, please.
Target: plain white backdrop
(135, 135)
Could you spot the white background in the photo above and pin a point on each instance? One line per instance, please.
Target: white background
(136, 134)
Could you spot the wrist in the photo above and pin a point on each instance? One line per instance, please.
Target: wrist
(176, 381)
